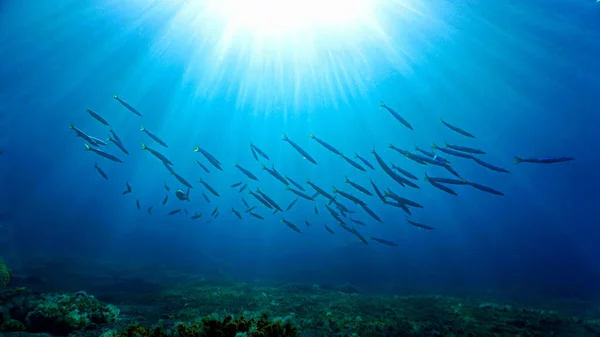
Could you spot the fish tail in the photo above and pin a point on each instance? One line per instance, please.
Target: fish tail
(434, 146)
(288, 188)
(115, 97)
(310, 135)
(517, 160)
(382, 105)
(441, 120)
(426, 177)
(197, 148)
(285, 137)
(347, 180)
(144, 147)
(142, 128)
(262, 166)
(87, 147)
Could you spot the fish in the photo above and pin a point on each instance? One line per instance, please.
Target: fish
(237, 184)
(253, 152)
(249, 210)
(211, 159)
(215, 211)
(127, 188)
(399, 205)
(291, 225)
(348, 196)
(298, 186)
(97, 117)
(464, 149)
(353, 163)
(149, 210)
(83, 135)
(236, 213)
(299, 149)
(181, 179)
(490, 166)
(153, 136)
(242, 188)
(260, 199)
(259, 151)
(103, 154)
(440, 186)
(396, 115)
(245, 202)
(404, 172)
(325, 144)
(378, 192)
(216, 215)
(547, 160)
(389, 193)
(100, 171)
(206, 197)
(329, 230)
(157, 154)
(185, 211)
(175, 211)
(319, 190)
(358, 187)
(359, 236)
(183, 196)
(451, 170)
(246, 172)
(269, 200)
(118, 144)
(300, 194)
(419, 225)
(126, 105)
(456, 129)
(137, 203)
(364, 161)
(446, 180)
(358, 222)
(258, 216)
(452, 152)
(291, 204)
(429, 154)
(202, 166)
(384, 242)
(485, 188)
(275, 174)
(382, 163)
(316, 210)
(167, 187)
(370, 212)
(164, 202)
(115, 136)
(209, 188)
(97, 141)
(331, 211)
(307, 223)
(196, 216)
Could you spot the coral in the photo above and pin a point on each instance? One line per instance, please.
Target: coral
(4, 274)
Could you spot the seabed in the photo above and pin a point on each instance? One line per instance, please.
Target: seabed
(188, 305)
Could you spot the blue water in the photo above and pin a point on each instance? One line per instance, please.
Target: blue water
(521, 76)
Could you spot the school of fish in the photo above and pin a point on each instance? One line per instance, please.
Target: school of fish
(336, 200)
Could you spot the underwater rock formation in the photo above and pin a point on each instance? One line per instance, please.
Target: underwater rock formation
(4, 274)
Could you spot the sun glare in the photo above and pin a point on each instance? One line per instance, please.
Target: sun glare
(279, 17)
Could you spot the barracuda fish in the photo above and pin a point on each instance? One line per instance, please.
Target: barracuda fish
(456, 129)
(464, 149)
(396, 115)
(298, 186)
(246, 172)
(383, 241)
(209, 188)
(100, 171)
(419, 225)
(153, 136)
(364, 161)
(97, 117)
(103, 154)
(157, 154)
(547, 160)
(325, 144)
(291, 225)
(202, 166)
(83, 135)
(259, 151)
(275, 174)
(358, 187)
(126, 105)
(353, 163)
(127, 188)
(299, 149)
(300, 194)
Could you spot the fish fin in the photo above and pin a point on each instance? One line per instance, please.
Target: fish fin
(517, 160)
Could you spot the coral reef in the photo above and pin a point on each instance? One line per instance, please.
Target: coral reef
(4, 274)
(59, 314)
